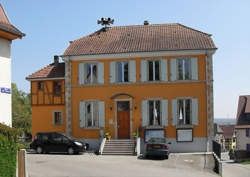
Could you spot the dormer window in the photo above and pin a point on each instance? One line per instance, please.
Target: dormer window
(40, 85)
(57, 87)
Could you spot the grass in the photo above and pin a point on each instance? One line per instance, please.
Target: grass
(245, 162)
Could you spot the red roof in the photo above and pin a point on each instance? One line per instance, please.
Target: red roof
(50, 71)
(243, 115)
(5, 24)
(228, 130)
(140, 38)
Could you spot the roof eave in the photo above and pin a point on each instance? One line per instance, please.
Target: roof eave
(44, 78)
(7, 29)
(205, 51)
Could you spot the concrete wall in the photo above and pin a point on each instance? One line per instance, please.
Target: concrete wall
(5, 81)
(241, 139)
(198, 145)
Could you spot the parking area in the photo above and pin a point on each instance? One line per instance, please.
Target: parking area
(91, 165)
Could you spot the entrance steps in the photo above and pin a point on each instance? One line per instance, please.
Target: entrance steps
(119, 147)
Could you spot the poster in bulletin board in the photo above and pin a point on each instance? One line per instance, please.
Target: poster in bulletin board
(150, 133)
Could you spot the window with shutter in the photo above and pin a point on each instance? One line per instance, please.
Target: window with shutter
(122, 71)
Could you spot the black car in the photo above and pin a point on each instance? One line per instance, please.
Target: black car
(157, 147)
(57, 142)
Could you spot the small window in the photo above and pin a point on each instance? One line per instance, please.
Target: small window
(91, 73)
(153, 70)
(92, 114)
(184, 112)
(122, 71)
(184, 69)
(247, 116)
(57, 118)
(154, 112)
(248, 147)
(57, 87)
(40, 85)
(247, 132)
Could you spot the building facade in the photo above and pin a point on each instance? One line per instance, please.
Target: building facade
(242, 128)
(7, 33)
(153, 80)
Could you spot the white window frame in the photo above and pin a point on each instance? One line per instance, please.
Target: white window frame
(184, 111)
(154, 70)
(117, 71)
(61, 119)
(183, 68)
(154, 104)
(91, 73)
(92, 103)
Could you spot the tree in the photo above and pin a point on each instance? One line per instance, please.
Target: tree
(21, 111)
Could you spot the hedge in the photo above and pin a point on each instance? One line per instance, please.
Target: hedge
(8, 151)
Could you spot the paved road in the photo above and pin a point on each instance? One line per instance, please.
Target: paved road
(230, 169)
(90, 165)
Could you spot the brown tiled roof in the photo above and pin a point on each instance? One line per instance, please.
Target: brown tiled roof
(243, 115)
(228, 130)
(5, 24)
(50, 71)
(140, 38)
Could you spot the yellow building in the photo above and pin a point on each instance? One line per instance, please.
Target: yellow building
(156, 80)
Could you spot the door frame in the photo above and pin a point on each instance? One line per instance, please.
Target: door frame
(130, 116)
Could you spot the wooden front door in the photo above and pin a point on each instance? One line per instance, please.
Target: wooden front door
(123, 120)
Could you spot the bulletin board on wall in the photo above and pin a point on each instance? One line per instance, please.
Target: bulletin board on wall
(184, 135)
(153, 133)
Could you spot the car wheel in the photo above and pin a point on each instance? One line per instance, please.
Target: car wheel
(70, 150)
(166, 157)
(39, 150)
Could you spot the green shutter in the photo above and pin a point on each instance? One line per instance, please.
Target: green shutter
(174, 111)
(173, 70)
(101, 114)
(100, 73)
(82, 114)
(195, 118)
(144, 112)
(132, 71)
(81, 73)
(164, 70)
(164, 111)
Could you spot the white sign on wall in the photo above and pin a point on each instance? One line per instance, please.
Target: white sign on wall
(154, 133)
(185, 135)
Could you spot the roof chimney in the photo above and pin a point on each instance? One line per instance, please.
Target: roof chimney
(56, 60)
(146, 22)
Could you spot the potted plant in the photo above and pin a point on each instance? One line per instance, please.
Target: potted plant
(134, 135)
(107, 135)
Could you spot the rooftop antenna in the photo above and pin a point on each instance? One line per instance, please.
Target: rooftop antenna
(105, 21)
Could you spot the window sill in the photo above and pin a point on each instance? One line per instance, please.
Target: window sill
(91, 128)
(154, 127)
(184, 126)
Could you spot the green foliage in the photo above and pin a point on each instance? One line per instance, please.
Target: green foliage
(21, 111)
(245, 162)
(8, 151)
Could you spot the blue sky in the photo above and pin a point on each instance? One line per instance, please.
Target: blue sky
(50, 25)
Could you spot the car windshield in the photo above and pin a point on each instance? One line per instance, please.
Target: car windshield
(157, 140)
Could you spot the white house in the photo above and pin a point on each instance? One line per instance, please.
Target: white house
(7, 33)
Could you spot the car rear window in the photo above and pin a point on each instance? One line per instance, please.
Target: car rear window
(157, 140)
